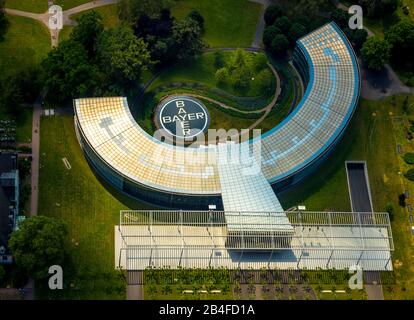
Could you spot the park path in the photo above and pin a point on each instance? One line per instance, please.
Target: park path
(257, 40)
(44, 17)
(266, 109)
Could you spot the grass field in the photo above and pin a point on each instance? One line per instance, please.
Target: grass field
(67, 4)
(24, 126)
(230, 23)
(77, 197)
(26, 43)
(109, 18)
(36, 6)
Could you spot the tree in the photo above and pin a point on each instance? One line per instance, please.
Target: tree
(272, 13)
(187, 38)
(196, 16)
(376, 53)
(296, 31)
(379, 8)
(67, 71)
(283, 24)
(269, 34)
(401, 37)
(279, 44)
(341, 18)
(264, 80)
(87, 31)
(4, 23)
(38, 244)
(259, 62)
(390, 209)
(357, 37)
(122, 55)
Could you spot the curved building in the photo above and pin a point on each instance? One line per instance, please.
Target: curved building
(143, 167)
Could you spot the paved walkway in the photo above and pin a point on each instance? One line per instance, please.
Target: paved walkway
(257, 41)
(44, 17)
(266, 109)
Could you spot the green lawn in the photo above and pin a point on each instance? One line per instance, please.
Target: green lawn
(24, 126)
(229, 23)
(37, 6)
(77, 197)
(182, 78)
(109, 15)
(67, 4)
(26, 43)
(109, 18)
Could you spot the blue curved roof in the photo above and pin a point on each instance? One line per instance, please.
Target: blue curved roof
(325, 110)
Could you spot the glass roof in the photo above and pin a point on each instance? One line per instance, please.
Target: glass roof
(326, 108)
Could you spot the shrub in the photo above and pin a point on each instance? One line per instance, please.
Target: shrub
(221, 75)
(390, 209)
(409, 158)
(401, 200)
(410, 175)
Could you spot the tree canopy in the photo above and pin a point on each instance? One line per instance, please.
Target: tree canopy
(87, 31)
(401, 37)
(376, 53)
(67, 71)
(122, 55)
(187, 38)
(279, 44)
(272, 13)
(379, 8)
(39, 244)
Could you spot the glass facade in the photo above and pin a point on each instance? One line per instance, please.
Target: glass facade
(144, 167)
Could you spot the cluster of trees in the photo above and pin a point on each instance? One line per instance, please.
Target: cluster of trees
(281, 32)
(97, 62)
(19, 88)
(397, 46)
(94, 61)
(241, 69)
(39, 244)
(169, 40)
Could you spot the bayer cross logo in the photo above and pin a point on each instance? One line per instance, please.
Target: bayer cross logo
(183, 117)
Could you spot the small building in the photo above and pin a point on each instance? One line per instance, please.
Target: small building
(9, 202)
